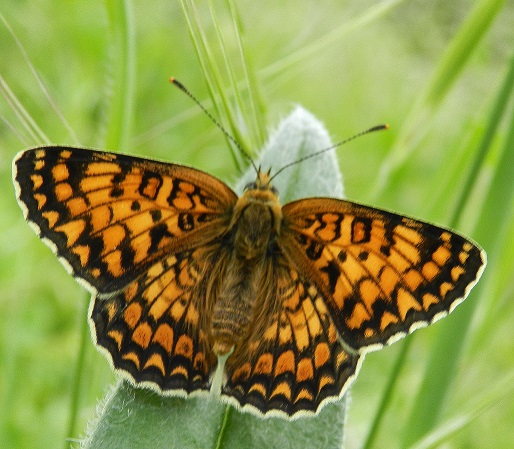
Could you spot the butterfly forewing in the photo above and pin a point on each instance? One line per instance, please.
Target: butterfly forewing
(382, 274)
(110, 216)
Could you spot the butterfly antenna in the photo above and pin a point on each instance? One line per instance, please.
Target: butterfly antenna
(214, 120)
(317, 153)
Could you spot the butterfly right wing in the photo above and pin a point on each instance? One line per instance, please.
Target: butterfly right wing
(109, 217)
(382, 275)
(294, 364)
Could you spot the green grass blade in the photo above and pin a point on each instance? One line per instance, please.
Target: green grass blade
(449, 68)
(41, 86)
(228, 67)
(34, 132)
(256, 114)
(229, 103)
(502, 392)
(236, 110)
(434, 381)
(80, 370)
(495, 119)
(500, 205)
(387, 395)
(123, 73)
(212, 75)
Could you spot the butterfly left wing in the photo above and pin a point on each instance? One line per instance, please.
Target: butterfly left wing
(295, 363)
(154, 330)
(382, 275)
(141, 235)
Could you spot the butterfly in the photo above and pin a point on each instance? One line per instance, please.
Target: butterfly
(188, 279)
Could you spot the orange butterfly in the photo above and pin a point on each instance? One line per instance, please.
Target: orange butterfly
(182, 271)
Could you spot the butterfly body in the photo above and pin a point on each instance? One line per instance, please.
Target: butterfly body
(182, 270)
(251, 242)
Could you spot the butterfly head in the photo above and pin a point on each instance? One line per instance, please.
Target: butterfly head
(259, 200)
(262, 183)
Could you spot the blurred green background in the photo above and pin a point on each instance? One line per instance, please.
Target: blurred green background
(433, 70)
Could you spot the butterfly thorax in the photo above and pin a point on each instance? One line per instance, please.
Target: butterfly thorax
(253, 229)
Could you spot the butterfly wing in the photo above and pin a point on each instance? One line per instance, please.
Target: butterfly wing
(295, 363)
(139, 234)
(153, 331)
(108, 216)
(382, 275)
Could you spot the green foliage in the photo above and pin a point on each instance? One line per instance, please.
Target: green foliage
(142, 419)
(439, 72)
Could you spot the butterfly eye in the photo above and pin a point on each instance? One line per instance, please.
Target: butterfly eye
(250, 186)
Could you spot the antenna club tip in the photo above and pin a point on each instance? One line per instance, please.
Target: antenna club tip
(378, 127)
(176, 82)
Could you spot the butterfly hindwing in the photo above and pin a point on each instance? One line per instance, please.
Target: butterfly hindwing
(296, 362)
(154, 331)
(110, 216)
(382, 274)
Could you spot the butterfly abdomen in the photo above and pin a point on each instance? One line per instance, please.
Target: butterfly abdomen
(246, 276)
